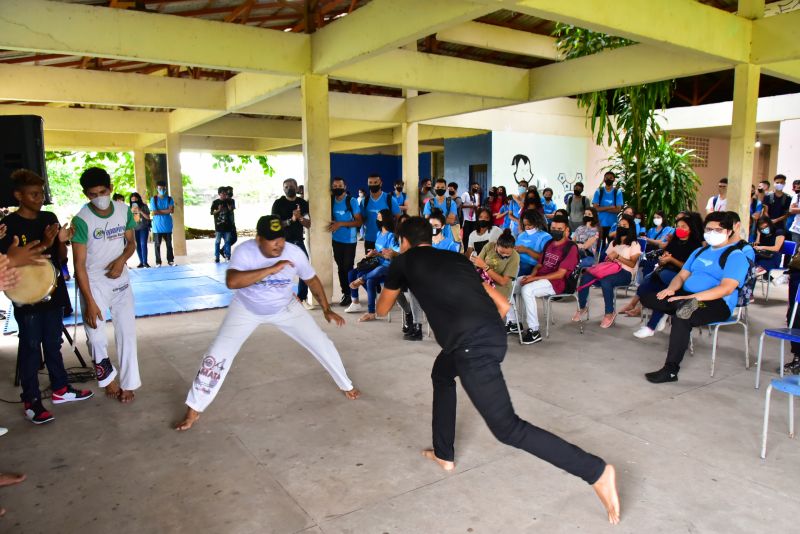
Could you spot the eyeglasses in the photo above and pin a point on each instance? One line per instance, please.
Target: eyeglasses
(719, 230)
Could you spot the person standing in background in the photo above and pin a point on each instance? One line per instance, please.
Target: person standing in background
(222, 211)
(400, 197)
(162, 207)
(609, 201)
(719, 202)
(141, 216)
(294, 215)
(470, 203)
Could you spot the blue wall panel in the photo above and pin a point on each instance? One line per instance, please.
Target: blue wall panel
(355, 168)
(460, 153)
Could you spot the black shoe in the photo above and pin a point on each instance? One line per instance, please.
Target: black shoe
(216, 260)
(792, 368)
(140, 266)
(529, 337)
(415, 334)
(661, 376)
(512, 328)
(408, 321)
(346, 300)
(146, 265)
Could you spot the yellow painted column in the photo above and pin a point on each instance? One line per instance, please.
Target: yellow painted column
(743, 137)
(140, 176)
(317, 158)
(176, 192)
(410, 155)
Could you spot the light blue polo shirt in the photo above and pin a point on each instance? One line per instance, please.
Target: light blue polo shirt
(707, 273)
(660, 235)
(549, 207)
(386, 240)
(339, 211)
(370, 210)
(162, 224)
(435, 203)
(447, 244)
(535, 242)
(607, 218)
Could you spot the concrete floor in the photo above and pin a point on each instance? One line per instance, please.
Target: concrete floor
(282, 451)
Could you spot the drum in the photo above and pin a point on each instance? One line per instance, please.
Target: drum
(36, 284)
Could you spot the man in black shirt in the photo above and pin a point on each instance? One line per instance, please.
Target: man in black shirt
(777, 204)
(33, 236)
(222, 210)
(293, 212)
(466, 318)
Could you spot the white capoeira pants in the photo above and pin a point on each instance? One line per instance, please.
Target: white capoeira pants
(239, 323)
(117, 295)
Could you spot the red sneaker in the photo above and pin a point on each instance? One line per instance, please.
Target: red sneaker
(70, 394)
(36, 414)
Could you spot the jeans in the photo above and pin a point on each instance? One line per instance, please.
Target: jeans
(481, 377)
(770, 263)
(711, 311)
(226, 248)
(622, 278)
(344, 254)
(141, 244)
(652, 284)
(372, 280)
(587, 261)
(794, 283)
(302, 288)
(38, 331)
(167, 238)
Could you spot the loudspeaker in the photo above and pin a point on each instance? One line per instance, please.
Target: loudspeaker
(21, 147)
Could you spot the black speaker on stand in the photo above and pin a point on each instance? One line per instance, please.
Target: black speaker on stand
(21, 147)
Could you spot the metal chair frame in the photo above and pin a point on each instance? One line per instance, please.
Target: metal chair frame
(790, 331)
(766, 411)
(788, 249)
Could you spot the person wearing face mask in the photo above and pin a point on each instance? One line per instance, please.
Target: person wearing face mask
(687, 239)
(346, 215)
(705, 291)
(658, 236)
(498, 207)
(470, 203)
(577, 204)
(637, 223)
(425, 192)
(587, 237)
(293, 212)
(768, 246)
(530, 244)
(399, 196)
(515, 207)
(777, 204)
(609, 201)
(499, 262)
(719, 202)
(548, 206)
(439, 240)
(162, 207)
(444, 202)
(793, 221)
(375, 201)
(103, 241)
(484, 233)
(141, 215)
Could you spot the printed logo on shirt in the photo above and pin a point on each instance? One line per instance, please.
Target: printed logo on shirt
(274, 282)
(209, 374)
(115, 232)
(705, 262)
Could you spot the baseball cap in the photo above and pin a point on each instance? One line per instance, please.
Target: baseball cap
(270, 227)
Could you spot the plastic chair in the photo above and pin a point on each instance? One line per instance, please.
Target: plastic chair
(739, 317)
(548, 303)
(784, 334)
(789, 385)
(788, 249)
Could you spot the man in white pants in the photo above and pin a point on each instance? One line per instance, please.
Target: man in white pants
(103, 241)
(263, 270)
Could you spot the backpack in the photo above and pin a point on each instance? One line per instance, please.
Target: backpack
(571, 278)
(583, 201)
(602, 192)
(347, 204)
(749, 284)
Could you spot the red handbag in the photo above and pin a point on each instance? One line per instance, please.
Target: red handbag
(601, 270)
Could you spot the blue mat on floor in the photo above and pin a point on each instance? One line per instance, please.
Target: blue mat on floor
(182, 288)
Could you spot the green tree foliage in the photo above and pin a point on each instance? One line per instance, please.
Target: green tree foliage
(655, 172)
(236, 164)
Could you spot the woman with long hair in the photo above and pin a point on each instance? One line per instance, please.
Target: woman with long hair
(141, 216)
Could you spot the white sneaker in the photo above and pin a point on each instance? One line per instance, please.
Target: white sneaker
(307, 305)
(780, 280)
(662, 324)
(3, 430)
(355, 307)
(644, 332)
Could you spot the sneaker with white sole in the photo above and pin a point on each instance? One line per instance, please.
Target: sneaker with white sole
(531, 336)
(644, 332)
(70, 394)
(355, 307)
(662, 324)
(36, 414)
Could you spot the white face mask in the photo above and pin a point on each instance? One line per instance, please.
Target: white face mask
(779, 187)
(657, 221)
(531, 231)
(715, 239)
(102, 203)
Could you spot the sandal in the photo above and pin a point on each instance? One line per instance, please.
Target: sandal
(578, 317)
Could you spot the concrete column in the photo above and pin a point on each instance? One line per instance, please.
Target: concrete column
(743, 138)
(410, 156)
(140, 176)
(317, 157)
(789, 150)
(176, 192)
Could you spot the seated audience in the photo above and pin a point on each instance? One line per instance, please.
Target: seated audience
(437, 220)
(531, 240)
(623, 250)
(587, 237)
(705, 291)
(628, 210)
(768, 245)
(559, 259)
(658, 236)
(499, 264)
(484, 233)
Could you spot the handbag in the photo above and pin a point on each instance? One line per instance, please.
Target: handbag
(794, 262)
(601, 270)
(368, 264)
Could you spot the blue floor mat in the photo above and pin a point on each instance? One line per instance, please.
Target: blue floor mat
(183, 288)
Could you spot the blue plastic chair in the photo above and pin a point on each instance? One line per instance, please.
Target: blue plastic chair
(784, 334)
(788, 249)
(789, 385)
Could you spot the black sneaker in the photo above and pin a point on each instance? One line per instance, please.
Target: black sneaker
(792, 368)
(346, 300)
(216, 260)
(36, 414)
(661, 376)
(408, 322)
(529, 337)
(688, 308)
(512, 328)
(140, 266)
(415, 334)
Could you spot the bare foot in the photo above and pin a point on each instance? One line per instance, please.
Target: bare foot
(444, 464)
(366, 318)
(606, 489)
(189, 420)
(126, 396)
(355, 284)
(113, 391)
(353, 394)
(9, 479)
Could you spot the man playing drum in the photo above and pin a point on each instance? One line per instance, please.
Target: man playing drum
(32, 236)
(103, 241)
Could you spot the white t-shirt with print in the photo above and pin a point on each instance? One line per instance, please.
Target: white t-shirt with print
(104, 237)
(490, 235)
(275, 292)
(722, 204)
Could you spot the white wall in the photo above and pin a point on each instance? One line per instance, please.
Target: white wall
(789, 149)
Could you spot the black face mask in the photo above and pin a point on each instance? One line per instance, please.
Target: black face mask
(588, 220)
(379, 224)
(484, 224)
(609, 181)
(503, 257)
(290, 192)
(440, 192)
(437, 231)
(452, 192)
(399, 189)
(338, 192)
(578, 192)
(374, 188)
(474, 189)
(558, 235)
(548, 199)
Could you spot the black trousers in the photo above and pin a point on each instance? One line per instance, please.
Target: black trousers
(712, 311)
(302, 288)
(794, 283)
(368, 245)
(157, 239)
(344, 254)
(468, 227)
(482, 379)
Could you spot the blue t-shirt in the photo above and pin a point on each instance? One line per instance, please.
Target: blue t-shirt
(535, 242)
(370, 211)
(608, 218)
(435, 203)
(514, 208)
(162, 224)
(345, 234)
(707, 273)
(660, 235)
(447, 244)
(386, 240)
(401, 199)
(549, 207)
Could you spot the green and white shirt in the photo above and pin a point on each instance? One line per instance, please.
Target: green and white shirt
(104, 236)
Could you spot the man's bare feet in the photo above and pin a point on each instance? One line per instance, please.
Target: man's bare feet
(113, 391)
(444, 464)
(9, 479)
(126, 396)
(353, 394)
(367, 317)
(189, 420)
(606, 489)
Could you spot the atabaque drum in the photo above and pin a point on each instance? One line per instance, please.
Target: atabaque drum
(36, 284)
